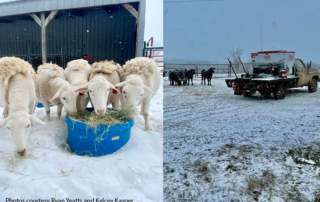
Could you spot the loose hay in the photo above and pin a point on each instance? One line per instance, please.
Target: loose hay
(111, 117)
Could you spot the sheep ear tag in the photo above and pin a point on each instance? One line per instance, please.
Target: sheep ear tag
(81, 93)
(115, 91)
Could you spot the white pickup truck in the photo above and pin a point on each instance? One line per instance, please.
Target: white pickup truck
(274, 72)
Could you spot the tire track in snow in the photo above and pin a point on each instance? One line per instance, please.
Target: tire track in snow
(201, 112)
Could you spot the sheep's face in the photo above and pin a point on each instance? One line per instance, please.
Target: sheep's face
(19, 125)
(98, 91)
(69, 97)
(131, 95)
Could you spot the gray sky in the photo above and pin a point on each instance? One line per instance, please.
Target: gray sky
(207, 30)
(154, 21)
(1, 1)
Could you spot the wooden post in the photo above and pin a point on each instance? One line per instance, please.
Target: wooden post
(43, 24)
(43, 38)
(138, 28)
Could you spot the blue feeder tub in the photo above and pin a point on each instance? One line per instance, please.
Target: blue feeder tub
(40, 105)
(85, 140)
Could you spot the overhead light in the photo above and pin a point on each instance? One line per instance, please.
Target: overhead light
(70, 16)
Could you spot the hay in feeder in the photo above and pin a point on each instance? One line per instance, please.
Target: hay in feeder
(111, 117)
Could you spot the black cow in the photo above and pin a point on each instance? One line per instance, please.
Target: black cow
(207, 75)
(164, 73)
(174, 78)
(182, 75)
(189, 75)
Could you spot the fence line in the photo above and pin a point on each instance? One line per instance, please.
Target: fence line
(221, 70)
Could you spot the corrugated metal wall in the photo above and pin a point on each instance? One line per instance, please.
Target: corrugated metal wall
(97, 33)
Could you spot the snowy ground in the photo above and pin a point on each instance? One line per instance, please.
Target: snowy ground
(223, 147)
(50, 170)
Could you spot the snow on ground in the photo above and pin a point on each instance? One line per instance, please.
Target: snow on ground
(223, 147)
(50, 170)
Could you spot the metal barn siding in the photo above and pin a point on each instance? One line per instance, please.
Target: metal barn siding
(16, 35)
(108, 33)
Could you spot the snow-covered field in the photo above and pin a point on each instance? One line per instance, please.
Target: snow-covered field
(50, 170)
(223, 147)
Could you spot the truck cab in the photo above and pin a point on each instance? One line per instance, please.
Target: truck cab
(305, 73)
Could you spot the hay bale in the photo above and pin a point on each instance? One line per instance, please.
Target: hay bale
(110, 118)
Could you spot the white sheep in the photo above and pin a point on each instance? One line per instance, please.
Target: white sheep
(77, 74)
(141, 80)
(102, 77)
(53, 89)
(17, 97)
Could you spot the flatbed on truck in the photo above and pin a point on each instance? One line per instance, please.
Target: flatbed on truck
(274, 72)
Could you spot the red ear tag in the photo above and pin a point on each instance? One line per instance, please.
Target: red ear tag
(114, 91)
(81, 93)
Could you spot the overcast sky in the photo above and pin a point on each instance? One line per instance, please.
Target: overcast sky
(154, 21)
(1, 1)
(207, 30)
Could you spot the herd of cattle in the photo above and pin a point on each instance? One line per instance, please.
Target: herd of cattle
(183, 76)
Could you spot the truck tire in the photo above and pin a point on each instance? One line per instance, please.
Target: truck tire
(280, 92)
(312, 87)
(237, 90)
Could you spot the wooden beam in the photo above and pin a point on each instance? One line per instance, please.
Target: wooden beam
(35, 17)
(141, 28)
(131, 10)
(137, 27)
(43, 38)
(44, 22)
(52, 15)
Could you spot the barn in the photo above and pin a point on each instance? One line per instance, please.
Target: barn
(59, 31)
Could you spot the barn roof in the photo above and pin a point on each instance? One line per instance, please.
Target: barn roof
(34, 6)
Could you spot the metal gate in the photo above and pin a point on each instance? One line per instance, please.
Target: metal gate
(156, 53)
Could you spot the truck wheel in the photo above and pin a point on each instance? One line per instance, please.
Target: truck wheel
(280, 92)
(312, 87)
(237, 90)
